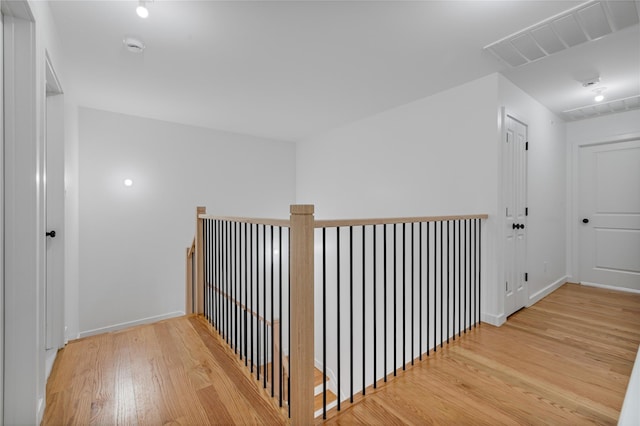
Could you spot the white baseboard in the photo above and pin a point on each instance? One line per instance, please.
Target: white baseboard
(610, 287)
(127, 324)
(539, 295)
(496, 320)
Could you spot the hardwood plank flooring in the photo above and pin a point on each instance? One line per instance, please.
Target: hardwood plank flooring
(565, 360)
(172, 372)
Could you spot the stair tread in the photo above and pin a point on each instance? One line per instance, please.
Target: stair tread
(317, 377)
(331, 397)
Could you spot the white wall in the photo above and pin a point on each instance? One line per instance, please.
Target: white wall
(607, 128)
(435, 156)
(546, 191)
(132, 240)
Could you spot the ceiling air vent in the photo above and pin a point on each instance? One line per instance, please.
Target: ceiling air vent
(589, 21)
(603, 108)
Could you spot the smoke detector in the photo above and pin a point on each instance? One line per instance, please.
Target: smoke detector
(133, 45)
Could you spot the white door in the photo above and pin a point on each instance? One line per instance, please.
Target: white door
(54, 139)
(515, 198)
(609, 199)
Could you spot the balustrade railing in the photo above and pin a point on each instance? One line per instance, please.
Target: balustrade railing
(387, 292)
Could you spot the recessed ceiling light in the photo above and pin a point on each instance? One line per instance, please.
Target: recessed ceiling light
(599, 96)
(142, 10)
(128, 182)
(133, 44)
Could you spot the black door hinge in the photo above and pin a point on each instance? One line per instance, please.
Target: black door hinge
(526, 211)
(526, 146)
(526, 276)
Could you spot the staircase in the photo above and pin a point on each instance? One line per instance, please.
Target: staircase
(332, 400)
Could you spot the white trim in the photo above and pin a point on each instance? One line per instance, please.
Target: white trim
(630, 414)
(612, 139)
(541, 294)
(610, 287)
(128, 324)
(495, 320)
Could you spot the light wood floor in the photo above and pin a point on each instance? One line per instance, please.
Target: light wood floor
(566, 360)
(171, 372)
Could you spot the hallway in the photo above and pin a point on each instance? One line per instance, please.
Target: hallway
(566, 360)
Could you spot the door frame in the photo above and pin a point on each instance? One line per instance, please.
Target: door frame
(23, 231)
(574, 214)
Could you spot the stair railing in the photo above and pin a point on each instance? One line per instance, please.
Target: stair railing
(397, 288)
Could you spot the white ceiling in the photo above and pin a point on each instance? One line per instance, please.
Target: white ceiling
(293, 69)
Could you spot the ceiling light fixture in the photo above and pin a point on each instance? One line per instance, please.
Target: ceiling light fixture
(599, 96)
(142, 10)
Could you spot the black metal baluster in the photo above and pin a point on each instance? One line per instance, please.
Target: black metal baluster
(258, 317)
(473, 277)
(395, 303)
(384, 290)
(428, 284)
(459, 279)
(448, 284)
(251, 300)
(375, 316)
(234, 299)
(265, 338)
(479, 232)
(404, 296)
(225, 321)
(246, 288)
(273, 361)
(441, 285)
(364, 256)
(351, 308)
(339, 354)
(289, 322)
(324, 323)
(420, 289)
(466, 276)
(280, 372)
(413, 341)
(454, 281)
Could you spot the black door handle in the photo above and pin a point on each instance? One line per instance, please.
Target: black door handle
(585, 220)
(522, 226)
(515, 226)
(51, 234)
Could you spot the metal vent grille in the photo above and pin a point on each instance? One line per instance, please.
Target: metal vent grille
(589, 111)
(589, 21)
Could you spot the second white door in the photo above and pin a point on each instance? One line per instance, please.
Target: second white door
(610, 215)
(515, 197)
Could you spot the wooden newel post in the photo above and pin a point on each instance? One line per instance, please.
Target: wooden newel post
(302, 317)
(199, 263)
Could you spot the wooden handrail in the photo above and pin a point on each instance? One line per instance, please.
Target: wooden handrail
(382, 221)
(240, 304)
(275, 222)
